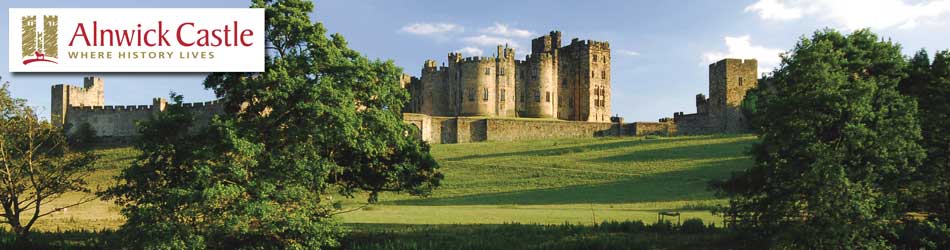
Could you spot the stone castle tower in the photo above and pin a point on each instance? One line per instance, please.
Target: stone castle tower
(568, 83)
(729, 79)
(65, 96)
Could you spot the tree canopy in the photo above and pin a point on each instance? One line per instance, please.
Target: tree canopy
(321, 120)
(838, 145)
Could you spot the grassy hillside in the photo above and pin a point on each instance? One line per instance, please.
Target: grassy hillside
(547, 182)
(569, 180)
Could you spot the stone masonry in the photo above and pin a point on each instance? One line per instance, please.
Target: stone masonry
(729, 79)
(567, 83)
(72, 106)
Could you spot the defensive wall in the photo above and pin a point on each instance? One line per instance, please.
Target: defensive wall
(445, 130)
(73, 106)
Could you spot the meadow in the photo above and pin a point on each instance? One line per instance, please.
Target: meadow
(494, 186)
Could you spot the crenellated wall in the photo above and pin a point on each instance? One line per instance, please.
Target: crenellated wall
(73, 106)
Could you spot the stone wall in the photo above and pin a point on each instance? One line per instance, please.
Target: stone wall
(73, 106)
(652, 128)
(523, 129)
(120, 121)
(440, 129)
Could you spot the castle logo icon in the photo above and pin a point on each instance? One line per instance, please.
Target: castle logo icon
(40, 45)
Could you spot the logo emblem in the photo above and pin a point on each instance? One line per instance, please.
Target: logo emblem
(40, 45)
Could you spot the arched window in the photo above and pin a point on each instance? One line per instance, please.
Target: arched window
(502, 97)
(547, 96)
(485, 94)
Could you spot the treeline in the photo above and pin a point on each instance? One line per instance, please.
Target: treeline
(854, 149)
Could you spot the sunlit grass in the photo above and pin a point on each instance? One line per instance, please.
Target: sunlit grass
(546, 182)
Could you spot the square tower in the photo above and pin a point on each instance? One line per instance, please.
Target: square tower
(64, 96)
(729, 79)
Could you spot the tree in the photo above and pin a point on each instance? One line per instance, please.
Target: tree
(321, 120)
(935, 124)
(838, 144)
(929, 84)
(36, 166)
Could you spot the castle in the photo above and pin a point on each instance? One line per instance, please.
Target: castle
(555, 92)
(71, 106)
(729, 79)
(566, 83)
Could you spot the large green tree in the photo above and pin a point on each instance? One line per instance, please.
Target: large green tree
(838, 144)
(321, 120)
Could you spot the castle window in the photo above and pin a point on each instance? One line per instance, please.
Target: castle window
(485, 94)
(740, 81)
(603, 74)
(564, 83)
(592, 74)
(502, 95)
(537, 96)
(471, 95)
(595, 58)
(488, 71)
(547, 96)
(501, 71)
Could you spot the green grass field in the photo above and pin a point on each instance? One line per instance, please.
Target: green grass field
(578, 181)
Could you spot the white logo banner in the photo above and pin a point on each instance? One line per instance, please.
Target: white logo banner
(136, 40)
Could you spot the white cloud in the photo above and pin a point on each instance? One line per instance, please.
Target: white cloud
(854, 14)
(431, 28)
(773, 9)
(504, 30)
(485, 40)
(470, 51)
(741, 47)
(628, 52)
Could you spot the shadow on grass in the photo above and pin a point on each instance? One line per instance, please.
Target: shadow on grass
(668, 186)
(578, 149)
(687, 152)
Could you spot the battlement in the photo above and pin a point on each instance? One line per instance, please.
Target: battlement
(588, 44)
(124, 108)
(546, 44)
(479, 59)
(429, 64)
(744, 62)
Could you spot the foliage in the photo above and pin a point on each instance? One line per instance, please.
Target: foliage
(606, 235)
(36, 166)
(929, 84)
(83, 138)
(321, 119)
(839, 142)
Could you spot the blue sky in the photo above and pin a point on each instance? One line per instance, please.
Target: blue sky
(660, 49)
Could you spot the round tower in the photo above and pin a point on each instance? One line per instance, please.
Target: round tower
(478, 86)
(540, 87)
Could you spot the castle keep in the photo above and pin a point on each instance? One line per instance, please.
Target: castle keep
(566, 83)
